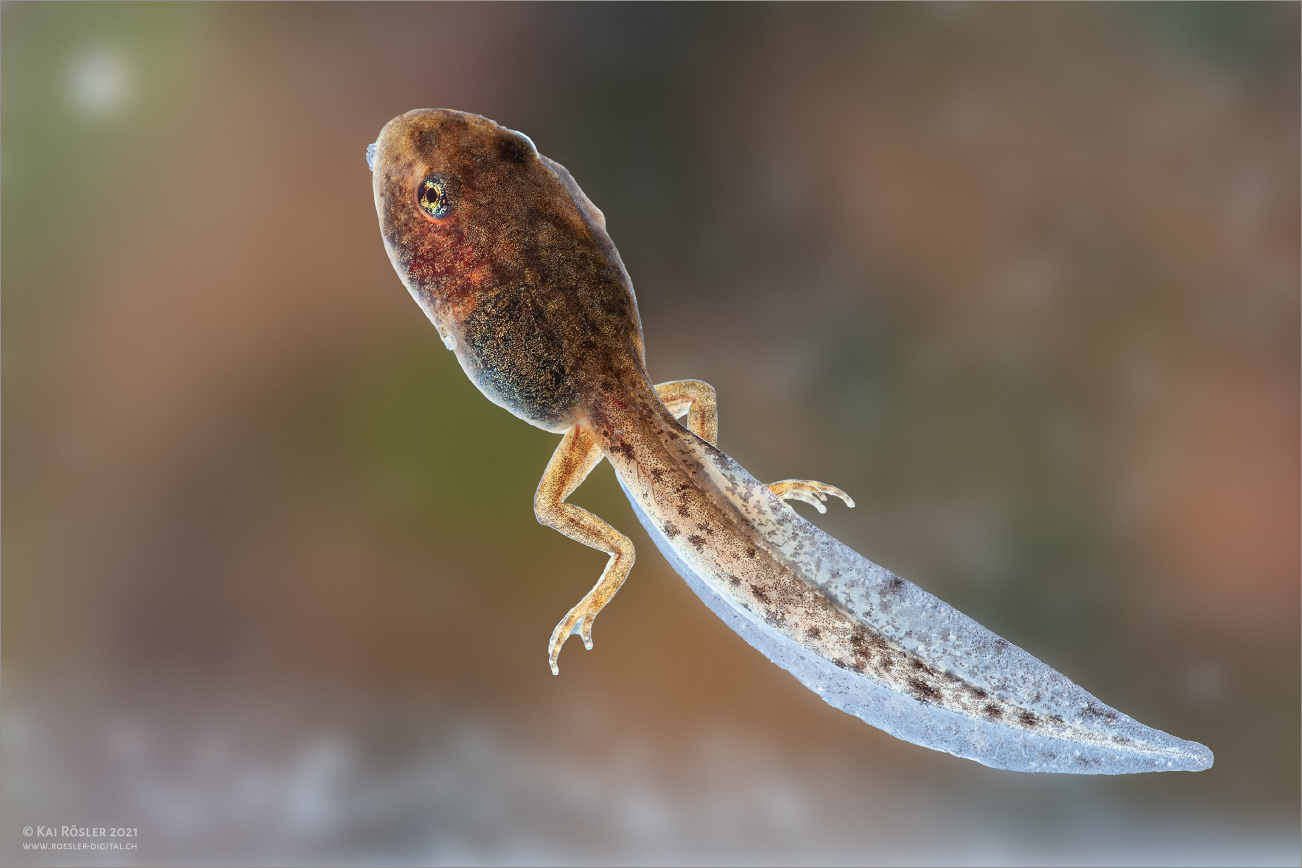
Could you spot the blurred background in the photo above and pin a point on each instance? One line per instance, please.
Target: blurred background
(1023, 279)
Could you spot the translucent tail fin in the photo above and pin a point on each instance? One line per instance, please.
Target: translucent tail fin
(1063, 729)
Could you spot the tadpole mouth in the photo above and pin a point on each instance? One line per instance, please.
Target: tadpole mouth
(370, 156)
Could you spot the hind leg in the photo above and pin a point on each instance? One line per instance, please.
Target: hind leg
(697, 399)
(573, 460)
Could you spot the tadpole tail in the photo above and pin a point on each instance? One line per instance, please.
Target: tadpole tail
(1060, 727)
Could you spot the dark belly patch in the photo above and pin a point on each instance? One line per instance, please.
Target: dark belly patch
(519, 358)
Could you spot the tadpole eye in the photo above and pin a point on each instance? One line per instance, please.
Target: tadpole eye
(434, 197)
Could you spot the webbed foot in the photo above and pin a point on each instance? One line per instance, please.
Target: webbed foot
(579, 620)
(813, 493)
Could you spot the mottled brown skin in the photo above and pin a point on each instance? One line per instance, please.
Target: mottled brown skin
(523, 277)
(524, 284)
(521, 274)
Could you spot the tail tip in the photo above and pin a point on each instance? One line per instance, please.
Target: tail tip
(1200, 757)
(1191, 757)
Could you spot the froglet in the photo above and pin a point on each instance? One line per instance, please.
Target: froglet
(513, 265)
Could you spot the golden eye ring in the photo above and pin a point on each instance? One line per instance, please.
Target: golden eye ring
(434, 197)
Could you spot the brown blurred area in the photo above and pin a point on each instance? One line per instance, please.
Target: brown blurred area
(1022, 278)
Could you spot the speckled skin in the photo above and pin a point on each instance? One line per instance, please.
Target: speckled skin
(525, 286)
(521, 276)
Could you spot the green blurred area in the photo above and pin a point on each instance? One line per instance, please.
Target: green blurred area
(1021, 278)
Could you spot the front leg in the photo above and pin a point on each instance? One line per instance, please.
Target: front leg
(697, 399)
(573, 460)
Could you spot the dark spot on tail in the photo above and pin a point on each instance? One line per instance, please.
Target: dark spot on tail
(813, 632)
(1105, 713)
(750, 552)
(734, 581)
(670, 531)
(683, 510)
(759, 594)
(979, 693)
(696, 540)
(924, 692)
(1028, 720)
(992, 711)
(854, 664)
(863, 641)
(895, 585)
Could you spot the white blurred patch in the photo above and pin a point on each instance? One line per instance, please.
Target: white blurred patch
(99, 82)
(256, 778)
(316, 780)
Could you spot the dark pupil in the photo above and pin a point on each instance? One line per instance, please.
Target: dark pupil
(432, 199)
